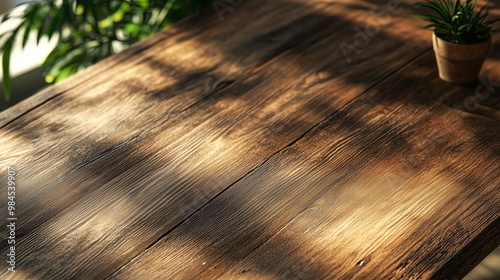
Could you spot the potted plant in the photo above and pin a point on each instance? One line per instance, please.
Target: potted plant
(461, 39)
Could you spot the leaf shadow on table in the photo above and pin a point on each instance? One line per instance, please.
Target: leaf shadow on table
(201, 230)
(425, 100)
(127, 161)
(206, 227)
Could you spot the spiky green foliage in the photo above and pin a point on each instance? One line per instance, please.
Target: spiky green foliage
(88, 30)
(456, 21)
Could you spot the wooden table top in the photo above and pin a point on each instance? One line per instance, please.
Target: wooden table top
(292, 139)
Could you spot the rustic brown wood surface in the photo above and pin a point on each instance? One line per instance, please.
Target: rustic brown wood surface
(251, 148)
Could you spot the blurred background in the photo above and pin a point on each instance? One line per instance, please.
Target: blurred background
(26, 67)
(69, 36)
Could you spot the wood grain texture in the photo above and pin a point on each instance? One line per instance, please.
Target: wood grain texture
(394, 186)
(107, 113)
(117, 158)
(115, 165)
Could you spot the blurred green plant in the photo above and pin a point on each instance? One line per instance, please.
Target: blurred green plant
(88, 30)
(456, 21)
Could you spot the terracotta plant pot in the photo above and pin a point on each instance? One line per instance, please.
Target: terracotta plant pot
(459, 63)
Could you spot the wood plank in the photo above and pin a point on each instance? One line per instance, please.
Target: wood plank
(111, 111)
(165, 46)
(446, 243)
(90, 74)
(120, 187)
(391, 187)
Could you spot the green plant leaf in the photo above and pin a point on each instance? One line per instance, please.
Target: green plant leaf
(56, 25)
(463, 27)
(457, 21)
(143, 4)
(26, 33)
(6, 16)
(7, 49)
(82, 41)
(59, 51)
(66, 72)
(132, 29)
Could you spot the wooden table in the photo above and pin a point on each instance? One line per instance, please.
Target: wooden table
(250, 148)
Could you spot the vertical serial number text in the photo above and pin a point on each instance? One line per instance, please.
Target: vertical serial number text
(11, 218)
